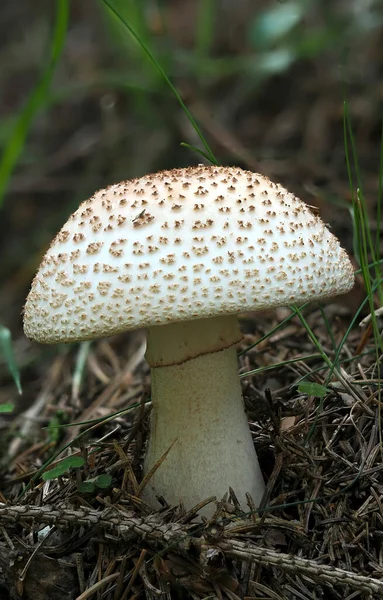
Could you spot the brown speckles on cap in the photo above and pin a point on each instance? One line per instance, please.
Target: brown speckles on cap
(170, 259)
(103, 287)
(144, 218)
(75, 254)
(83, 286)
(94, 247)
(106, 268)
(182, 244)
(78, 238)
(63, 280)
(61, 237)
(116, 248)
(125, 278)
(57, 300)
(120, 220)
(80, 269)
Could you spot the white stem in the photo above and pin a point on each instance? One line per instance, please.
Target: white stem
(199, 402)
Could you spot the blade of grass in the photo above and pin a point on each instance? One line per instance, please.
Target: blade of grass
(363, 240)
(354, 320)
(204, 29)
(328, 362)
(78, 374)
(362, 229)
(365, 245)
(6, 347)
(323, 354)
(344, 361)
(380, 197)
(195, 149)
(328, 326)
(148, 53)
(279, 364)
(271, 332)
(35, 101)
(298, 312)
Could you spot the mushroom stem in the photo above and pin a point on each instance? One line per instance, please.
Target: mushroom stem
(197, 400)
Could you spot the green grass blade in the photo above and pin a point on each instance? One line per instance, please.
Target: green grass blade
(82, 355)
(354, 321)
(278, 365)
(380, 197)
(366, 246)
(205, 29)
(7, 350)
(7, 407)
(196, 150)
(148, 53)
(35, 101)
(298, 312)
(362, 230)
(328, 326)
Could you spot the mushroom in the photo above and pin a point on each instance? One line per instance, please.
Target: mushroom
(182, 252)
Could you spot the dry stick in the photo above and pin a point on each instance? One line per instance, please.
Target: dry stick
(97, 586)
(127, 526)
(22, 575)
(309, 568)
(150, 474)
(136, 570)
(121, 576)
(80, 571)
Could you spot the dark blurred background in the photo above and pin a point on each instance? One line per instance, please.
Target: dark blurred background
(266, 81)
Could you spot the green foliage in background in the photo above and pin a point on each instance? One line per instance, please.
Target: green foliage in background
(101, 482)
(313, 389)
(64, 466)
(7, 349)
(35, 103)
(284, 34)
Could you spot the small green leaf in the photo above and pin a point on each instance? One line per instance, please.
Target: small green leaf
(64, 466)
(55, 429)
(103, 481)
(312, 389)
(34, 103)
(87, 487)
(7, 407)
(6, 347)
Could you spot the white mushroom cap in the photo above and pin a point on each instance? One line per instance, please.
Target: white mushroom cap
(180, 245)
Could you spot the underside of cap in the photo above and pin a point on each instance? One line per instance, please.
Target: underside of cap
(181, 245)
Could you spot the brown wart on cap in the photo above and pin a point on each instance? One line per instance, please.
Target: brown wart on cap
(182, 252)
